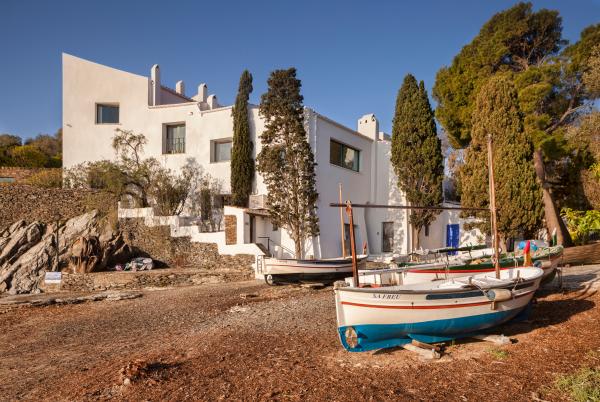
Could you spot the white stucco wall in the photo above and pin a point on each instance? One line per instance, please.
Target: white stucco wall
(86, 83)
(438, 231)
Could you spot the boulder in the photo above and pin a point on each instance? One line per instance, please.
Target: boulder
(27, 251)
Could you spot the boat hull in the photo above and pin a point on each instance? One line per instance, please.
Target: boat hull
(286, 271)
(439, 271)
(375, 318)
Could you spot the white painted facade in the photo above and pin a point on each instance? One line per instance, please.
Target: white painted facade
(146, 106)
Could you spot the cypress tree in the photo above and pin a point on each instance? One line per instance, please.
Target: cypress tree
(286, 161)
(417, 152)
(517, 190)
(242, 164)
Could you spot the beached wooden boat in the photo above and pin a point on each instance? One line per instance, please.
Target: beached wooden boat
(374, 317)
(276, 270)
(546, 258)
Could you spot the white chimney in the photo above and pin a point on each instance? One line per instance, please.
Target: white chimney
(180, 88)
(369, 126)
(212, 102)
(155, 85)
(202, 93)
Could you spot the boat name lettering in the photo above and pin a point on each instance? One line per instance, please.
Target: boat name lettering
(386, 296)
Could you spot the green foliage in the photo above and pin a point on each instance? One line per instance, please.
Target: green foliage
(28, 156)
(581, 224)
(9, 140)
(416, 151)
(46, 178)
(591, 77)
(581, 386)
(517, 191)
(242, 164)
(286, 160)
(498, 354)
(511, 41)
(42, 151)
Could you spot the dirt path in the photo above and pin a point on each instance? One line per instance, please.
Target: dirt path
(247, 341)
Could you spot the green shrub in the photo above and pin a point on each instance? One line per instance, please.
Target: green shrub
(46, 178)
(581, 224)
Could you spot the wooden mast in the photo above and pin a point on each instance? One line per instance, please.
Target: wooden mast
(352, 245)
(492, 193)
(342, 224)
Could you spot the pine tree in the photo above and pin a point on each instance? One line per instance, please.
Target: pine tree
(517, 190)
(286, 161)
(242, 164)
(417, 152)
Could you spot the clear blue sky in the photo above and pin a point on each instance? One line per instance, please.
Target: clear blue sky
(350, 55)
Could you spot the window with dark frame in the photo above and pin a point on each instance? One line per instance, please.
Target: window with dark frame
(175, 139)
(344, 156)
(107, 114)
(221, 150)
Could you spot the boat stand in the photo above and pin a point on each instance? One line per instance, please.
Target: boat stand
(425, 350)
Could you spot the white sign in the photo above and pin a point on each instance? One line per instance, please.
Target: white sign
(53, 277)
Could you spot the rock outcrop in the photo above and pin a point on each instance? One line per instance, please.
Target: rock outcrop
(27, 251)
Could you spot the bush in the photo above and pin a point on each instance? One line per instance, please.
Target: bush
(581, 224)
(46, 178)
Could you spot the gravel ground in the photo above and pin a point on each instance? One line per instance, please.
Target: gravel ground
(246, 341)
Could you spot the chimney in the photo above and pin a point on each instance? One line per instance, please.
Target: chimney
(369, 126)
(155, 85)
(202, 93)
(180, 88)
(212, 102)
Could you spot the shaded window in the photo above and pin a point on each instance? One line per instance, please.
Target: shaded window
(175, 139)
(344, 156)
(107, 114)
(427, 230)
(221, 150)
(387, 237)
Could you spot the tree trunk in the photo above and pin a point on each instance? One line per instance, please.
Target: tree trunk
(415, 237)
(553, 219)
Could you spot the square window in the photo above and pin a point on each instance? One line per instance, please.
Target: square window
(175, 139)
(221, 150)
(344, 156)
(107, 114)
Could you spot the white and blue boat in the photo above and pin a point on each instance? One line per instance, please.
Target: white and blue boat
(376, 316)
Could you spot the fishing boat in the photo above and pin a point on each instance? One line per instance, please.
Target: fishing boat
(373, 317)
(546, 258)
(376, 314)
(277, 270)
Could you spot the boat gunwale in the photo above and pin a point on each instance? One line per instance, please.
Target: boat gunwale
(432, 291)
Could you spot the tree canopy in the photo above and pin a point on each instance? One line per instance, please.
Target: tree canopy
(526, 47)
(518, 194)
(416, 151)
(286, 160)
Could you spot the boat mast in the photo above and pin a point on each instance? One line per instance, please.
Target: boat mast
(342, 224)
(492, 192)
(352, 244)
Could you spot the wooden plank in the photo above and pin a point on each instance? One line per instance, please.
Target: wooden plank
(424, 353)
(424, 345)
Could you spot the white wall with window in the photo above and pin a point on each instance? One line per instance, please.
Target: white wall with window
(174, 139)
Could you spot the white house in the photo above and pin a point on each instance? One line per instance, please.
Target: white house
(97, 99)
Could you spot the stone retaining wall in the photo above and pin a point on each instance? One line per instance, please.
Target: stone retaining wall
(41, 204)
(21, 174)
(176, 252)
